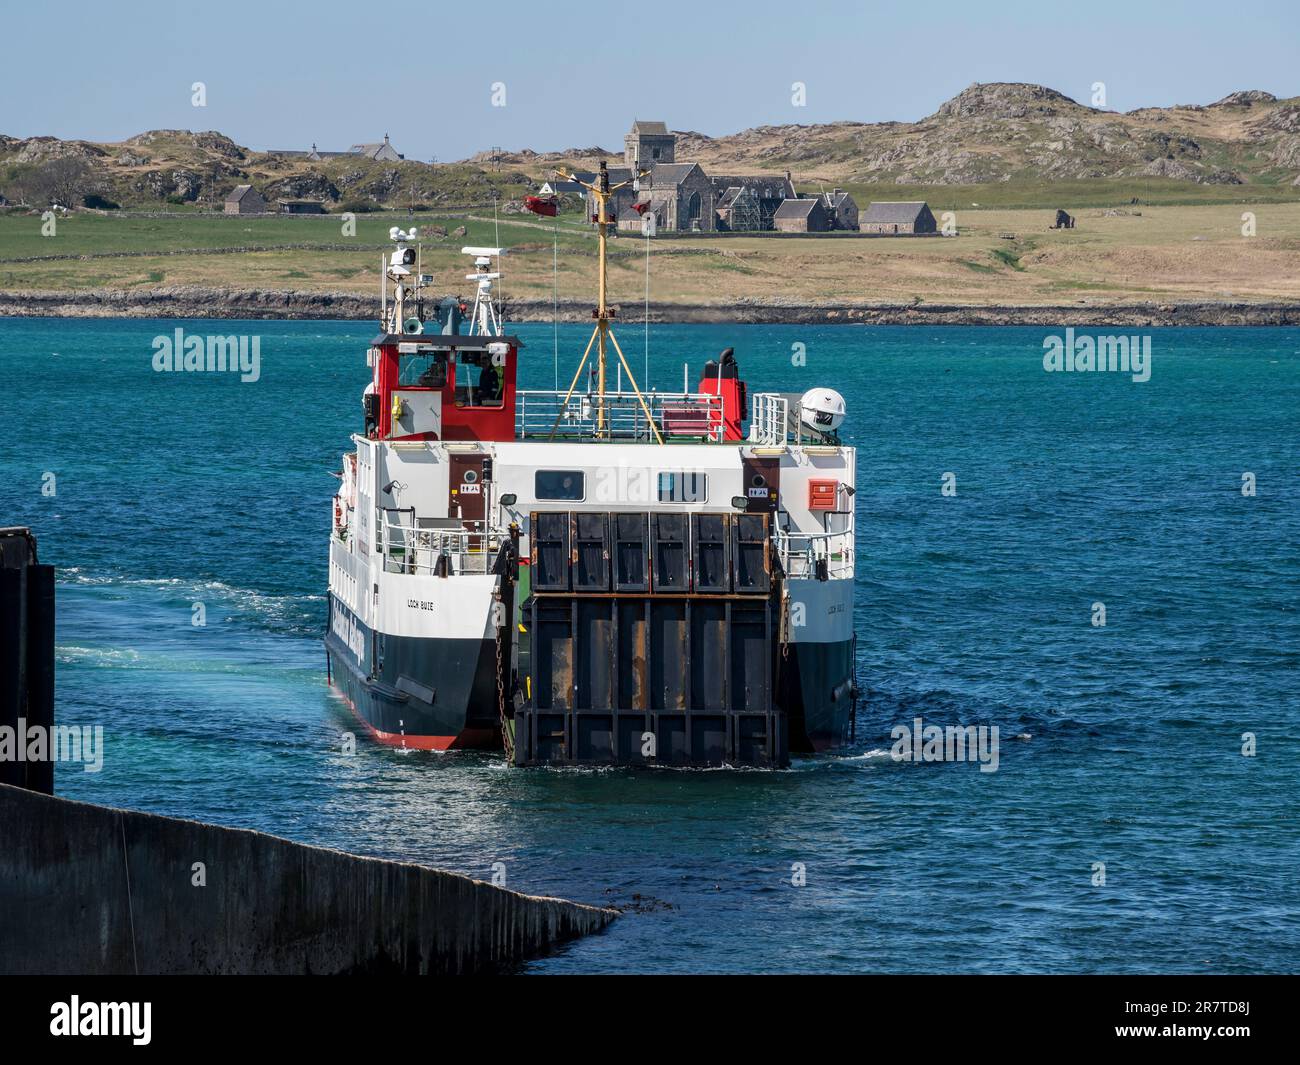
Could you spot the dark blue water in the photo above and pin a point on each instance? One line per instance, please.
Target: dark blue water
(1120, 745)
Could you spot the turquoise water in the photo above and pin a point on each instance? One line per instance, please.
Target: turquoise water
(1120, 744)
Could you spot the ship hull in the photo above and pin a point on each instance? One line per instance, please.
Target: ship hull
(441, 694)
(816, 691)
(416, 692)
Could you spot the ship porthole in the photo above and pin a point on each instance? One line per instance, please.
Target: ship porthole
(471, 476)
(758, 480)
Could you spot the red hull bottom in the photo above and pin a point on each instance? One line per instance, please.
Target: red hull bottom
(468, 739)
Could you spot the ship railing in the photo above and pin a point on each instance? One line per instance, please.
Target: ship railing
(683, 415)
(769, 419)
(415, 546)
(815, 554)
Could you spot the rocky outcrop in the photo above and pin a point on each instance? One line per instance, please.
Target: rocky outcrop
(1245, 98)
(308, 186)
(178, 181)
(1004, 100)
(987, 133)
(1008, 131)
(209, 141)
(1284, 119)
(42, 149)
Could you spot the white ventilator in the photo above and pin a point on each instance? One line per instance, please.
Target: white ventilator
(485, 320)
(822, 409)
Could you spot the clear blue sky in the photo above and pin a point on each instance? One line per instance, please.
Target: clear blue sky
(283, 75)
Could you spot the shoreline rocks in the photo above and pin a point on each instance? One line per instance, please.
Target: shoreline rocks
(197, 302)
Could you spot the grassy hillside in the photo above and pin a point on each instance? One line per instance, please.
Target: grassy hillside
(996, 145)
(1016, 145)
(91, 234)
(1162, 253)
(1158, 194)
(178, 169)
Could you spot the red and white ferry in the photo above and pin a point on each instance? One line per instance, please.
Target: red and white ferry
(596, 575)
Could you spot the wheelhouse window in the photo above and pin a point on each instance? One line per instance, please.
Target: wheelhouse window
(426, 369)
(683, 487)
(567, 485)
(480, 380)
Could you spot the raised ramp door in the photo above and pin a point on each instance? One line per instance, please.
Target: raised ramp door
(652, 641)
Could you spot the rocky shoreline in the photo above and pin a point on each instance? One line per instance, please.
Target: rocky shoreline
(194, 302)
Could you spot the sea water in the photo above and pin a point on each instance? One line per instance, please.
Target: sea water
(1143, 812)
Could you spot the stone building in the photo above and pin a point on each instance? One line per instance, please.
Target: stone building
(620, 201)
(738, 211)
(898, 218)
(301, 206)
(380, 150)
(630, 221)
(842, 210)
(682, 196)
(383, 151)
(244, 199)
(802, 216)
(770, 191)
(648, 143)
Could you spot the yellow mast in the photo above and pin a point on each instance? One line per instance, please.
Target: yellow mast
(603, 192)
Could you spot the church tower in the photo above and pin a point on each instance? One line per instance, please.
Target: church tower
(649, 143)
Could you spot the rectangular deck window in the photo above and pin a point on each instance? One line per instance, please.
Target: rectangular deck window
(423, 370)
(683, 488)
(567, 485)
(480, 380)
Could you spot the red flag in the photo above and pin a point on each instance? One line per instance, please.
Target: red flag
(542, 205)
(641, 208)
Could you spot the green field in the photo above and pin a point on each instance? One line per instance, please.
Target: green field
(1175, 253)
(85, 233)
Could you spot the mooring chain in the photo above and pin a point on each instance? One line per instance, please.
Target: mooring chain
(501, 689)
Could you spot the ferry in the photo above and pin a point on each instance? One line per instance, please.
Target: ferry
(594, 576)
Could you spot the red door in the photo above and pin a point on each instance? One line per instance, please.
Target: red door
(465, 478)
(762, 484)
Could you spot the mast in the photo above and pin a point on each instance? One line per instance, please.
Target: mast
(603, 191)
(602, 310)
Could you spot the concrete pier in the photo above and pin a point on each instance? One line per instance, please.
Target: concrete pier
(26, 659)
(89, 889)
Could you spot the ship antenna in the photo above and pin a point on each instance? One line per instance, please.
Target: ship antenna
(496, 235)
(485, 319)
(603, 192)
